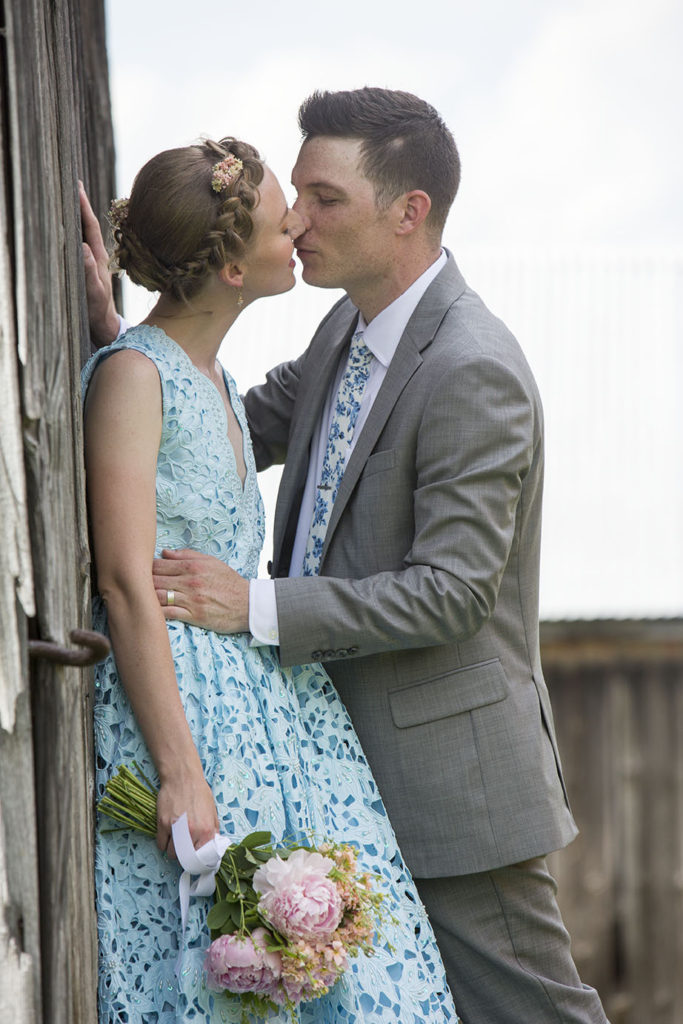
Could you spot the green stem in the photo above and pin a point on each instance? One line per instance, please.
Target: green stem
(131, 801)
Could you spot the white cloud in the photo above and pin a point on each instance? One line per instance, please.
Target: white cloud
(566, 113)
(580, 142)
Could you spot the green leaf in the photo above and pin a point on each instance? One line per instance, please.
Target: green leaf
(240, 857)
(261, 856)
(218, 915)
(235, 914)
(256, 839)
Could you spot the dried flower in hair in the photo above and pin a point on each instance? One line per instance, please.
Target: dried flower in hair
(225, 172)
(118, 212)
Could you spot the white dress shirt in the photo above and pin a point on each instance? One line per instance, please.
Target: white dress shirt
(381, 336)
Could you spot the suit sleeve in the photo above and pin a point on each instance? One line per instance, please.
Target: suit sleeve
(269, 409)
(475, 442)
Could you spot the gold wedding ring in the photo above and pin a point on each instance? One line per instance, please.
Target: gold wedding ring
(170, 597)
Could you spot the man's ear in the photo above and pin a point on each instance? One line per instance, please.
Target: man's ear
(232, 274)
(413, 210)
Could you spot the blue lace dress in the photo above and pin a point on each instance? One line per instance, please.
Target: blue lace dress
(278, 751)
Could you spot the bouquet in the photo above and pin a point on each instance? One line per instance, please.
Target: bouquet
(284, 922)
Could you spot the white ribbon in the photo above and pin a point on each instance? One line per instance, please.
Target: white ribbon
(203, 862)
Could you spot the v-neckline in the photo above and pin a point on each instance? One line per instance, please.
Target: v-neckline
(207, 383)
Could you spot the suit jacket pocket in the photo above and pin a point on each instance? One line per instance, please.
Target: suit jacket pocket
(379, 461)
(466, 689)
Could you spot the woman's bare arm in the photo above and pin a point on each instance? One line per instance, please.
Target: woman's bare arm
(122, 434)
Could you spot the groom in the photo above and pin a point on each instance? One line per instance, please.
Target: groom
(421, 593)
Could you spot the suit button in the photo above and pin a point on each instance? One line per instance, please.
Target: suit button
(342, 652)
(352, 650)
(316, 655)
(328, 654)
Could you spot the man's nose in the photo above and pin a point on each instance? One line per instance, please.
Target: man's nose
(299, 208)
(298, 226)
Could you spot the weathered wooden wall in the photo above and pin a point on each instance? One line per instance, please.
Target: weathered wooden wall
(55, 127)
(617, 693)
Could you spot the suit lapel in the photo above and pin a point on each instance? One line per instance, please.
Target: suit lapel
(314, 388)
(406, 361)
(423, 325)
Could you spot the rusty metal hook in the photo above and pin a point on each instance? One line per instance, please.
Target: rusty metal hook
(96, 647)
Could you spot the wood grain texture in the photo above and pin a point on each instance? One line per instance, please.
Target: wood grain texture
(617, 694)
(56, 127)
(19, 906)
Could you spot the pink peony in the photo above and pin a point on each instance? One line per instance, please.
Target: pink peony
(243, 964)
(298, 898)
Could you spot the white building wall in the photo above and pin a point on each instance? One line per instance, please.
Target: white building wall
(603, 331)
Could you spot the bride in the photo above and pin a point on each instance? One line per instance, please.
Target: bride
(232, 739)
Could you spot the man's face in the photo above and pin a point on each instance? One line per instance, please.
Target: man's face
(347, 241)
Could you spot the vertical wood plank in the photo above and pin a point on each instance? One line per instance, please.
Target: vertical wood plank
(57, 128)
(19, 909)
(617, 693)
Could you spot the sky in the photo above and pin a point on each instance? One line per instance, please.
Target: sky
(567, 117)
(566, 112)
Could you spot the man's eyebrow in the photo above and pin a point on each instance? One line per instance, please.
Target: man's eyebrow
(327, 185)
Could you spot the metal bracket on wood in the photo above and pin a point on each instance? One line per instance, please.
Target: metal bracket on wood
(96, 647)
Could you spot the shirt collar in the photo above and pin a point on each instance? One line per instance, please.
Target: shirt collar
(383, 334)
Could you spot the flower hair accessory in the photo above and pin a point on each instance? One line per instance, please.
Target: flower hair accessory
(225, 172)
(118, 212)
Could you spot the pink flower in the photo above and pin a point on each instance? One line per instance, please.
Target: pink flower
(243, 964)
(298, 898)
(310, 977)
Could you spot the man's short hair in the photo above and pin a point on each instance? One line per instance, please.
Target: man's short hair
(405, 144)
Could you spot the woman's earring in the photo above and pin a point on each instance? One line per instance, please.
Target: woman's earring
(240, 299)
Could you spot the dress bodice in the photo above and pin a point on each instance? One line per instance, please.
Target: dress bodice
(201, 502)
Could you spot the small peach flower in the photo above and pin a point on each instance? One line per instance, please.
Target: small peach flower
(225, 172)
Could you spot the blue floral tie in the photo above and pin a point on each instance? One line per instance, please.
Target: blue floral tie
(342, 427)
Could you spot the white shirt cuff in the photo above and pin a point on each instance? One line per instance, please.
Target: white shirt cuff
(263, 624)
(123, 327)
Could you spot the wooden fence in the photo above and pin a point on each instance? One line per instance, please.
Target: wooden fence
(617, 694)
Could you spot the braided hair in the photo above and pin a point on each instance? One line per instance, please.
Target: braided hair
(175, 230)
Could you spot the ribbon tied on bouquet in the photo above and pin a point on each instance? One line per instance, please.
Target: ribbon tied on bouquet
(203, 862)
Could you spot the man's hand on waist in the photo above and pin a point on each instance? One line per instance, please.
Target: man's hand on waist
(200, 589)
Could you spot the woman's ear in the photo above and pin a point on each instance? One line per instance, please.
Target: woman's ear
(232, 274)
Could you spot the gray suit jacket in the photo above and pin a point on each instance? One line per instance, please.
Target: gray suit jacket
(426, 610)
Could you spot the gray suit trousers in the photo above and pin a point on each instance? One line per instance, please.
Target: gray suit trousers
(506, 951)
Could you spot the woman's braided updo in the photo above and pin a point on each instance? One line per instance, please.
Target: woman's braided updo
(176, 229)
